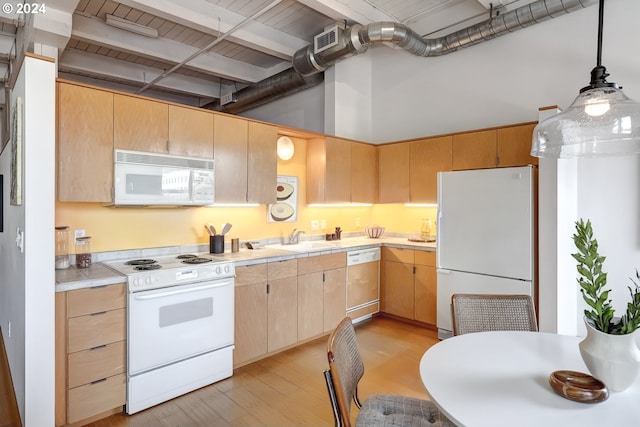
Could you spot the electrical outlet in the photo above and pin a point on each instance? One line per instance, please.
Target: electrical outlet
(357, 221)
(323, 224)
(314, 224)
(78, 233)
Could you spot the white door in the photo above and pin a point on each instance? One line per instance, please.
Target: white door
(485, 222)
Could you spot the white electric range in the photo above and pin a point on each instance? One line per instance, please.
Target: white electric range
(180, 317)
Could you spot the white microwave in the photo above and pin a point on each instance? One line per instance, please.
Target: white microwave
(150, 179)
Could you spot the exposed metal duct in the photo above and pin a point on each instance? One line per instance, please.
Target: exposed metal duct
(284, 83)
(357, 39)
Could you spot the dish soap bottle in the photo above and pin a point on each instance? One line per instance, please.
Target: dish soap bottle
(425, 230)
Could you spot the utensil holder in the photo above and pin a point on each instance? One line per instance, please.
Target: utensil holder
(216, 244)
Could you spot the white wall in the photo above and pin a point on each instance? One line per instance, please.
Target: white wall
(28, 283)
(504, 80)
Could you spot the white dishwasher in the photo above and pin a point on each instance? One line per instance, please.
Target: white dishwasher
(363, 283)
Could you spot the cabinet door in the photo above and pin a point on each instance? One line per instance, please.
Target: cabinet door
(362, 284)
(474, 150)
(398, 292)
(282, 313)
(364, 173)
(425, 294)
(85, 144)
(514, 146)
(250, 322)
(140, 124)
(428, 157)
(393, 173)
(230, 155)
(190, 132)
(338, 171)
(262, 163)
(310, 305)
(335, 299)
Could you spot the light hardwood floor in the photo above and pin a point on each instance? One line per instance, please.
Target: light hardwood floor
(288, 389)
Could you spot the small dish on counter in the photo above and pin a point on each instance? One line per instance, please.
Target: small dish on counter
(578, 386)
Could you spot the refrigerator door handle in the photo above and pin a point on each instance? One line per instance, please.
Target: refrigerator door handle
(443, 271)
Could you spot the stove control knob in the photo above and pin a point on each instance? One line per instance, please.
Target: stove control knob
(218, 270)
(227, 269)
(135, 282)
(148, 280)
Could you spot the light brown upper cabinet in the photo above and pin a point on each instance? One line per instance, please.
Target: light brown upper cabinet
(514, 146)
(474, 150)
(85, 144)
(503, 147)
(262, 171)
(230, 156)
(393, 173)
(427, 158)
(245, 161)
(140, 124)
(190, 132)
(328, 170)
(364, 173)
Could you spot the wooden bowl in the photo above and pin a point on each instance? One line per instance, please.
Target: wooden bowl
(578, 386)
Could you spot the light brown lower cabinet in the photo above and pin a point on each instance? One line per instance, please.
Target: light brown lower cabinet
(279, 304)
(90, 353)
(409, 287)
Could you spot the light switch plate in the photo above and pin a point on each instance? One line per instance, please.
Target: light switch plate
(314, 224)
(78, 233)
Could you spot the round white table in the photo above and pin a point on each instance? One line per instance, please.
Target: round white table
(502, 379)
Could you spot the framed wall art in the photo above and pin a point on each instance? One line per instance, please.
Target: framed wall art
(286, 208)
(16, 140)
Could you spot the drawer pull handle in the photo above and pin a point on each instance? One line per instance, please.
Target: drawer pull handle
(98, 313)
(98, 287)
(98, 347)
(98, 381)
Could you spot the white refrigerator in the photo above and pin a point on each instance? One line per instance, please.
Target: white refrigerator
(485, 235)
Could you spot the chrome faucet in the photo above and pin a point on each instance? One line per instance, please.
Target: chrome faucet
(294, 236)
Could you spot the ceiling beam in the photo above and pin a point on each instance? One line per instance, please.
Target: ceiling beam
(85, 63)
(359, 11)
(211, 19)
(95, 31)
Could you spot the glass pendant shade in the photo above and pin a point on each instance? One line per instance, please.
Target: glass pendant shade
(601, 122)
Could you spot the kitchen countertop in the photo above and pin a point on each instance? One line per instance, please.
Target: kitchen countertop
(100, 275)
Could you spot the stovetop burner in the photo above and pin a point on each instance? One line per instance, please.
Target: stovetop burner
(195, 260)
(186, 256)
(145, 267)
(141, 262)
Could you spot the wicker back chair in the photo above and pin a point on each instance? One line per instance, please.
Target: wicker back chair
(489, 312)
(345, 371)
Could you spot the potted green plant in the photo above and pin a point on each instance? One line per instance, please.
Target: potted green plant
(609, 350)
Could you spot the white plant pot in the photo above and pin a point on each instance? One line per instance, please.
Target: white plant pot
(613, 359)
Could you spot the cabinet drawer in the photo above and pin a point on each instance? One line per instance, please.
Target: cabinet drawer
(86, 332)
(96, 363)
(282, 269)
(92, 399)
(405, 256)
(251, 274)
(95, 300)
(425, 258)
(322, 262)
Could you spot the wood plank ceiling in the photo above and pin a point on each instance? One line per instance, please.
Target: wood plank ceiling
(228, 44)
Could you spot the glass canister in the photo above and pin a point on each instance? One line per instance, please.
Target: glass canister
(425, 229)
(62, 247)
(83, 252)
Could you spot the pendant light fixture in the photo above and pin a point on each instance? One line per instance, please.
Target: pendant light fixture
(601, 122)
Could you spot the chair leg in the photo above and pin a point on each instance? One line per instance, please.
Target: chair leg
(332, 397)
(356, 399)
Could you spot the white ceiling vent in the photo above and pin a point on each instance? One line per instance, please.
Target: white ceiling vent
(327, 39)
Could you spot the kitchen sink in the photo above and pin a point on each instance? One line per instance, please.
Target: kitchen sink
(306, 246)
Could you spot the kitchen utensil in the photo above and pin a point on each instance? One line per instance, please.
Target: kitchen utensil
(225, 228)
(248, 245)
(206, 227)
(213, 229)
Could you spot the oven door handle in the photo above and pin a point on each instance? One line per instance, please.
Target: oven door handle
(182, 291)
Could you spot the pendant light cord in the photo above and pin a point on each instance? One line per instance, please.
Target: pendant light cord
(600, 25)
(599, 73)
